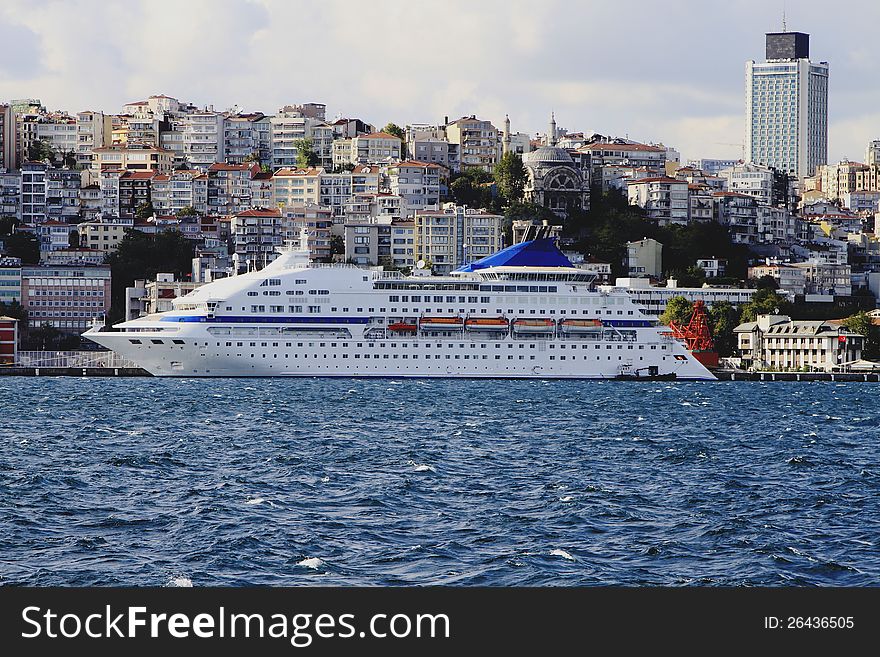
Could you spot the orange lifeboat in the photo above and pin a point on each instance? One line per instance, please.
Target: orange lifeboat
(533, 325)
(486, 324)
(441, 323)
(402, 327)
(580, 325)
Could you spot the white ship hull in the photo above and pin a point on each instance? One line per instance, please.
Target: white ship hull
(204, 355)
(297, 319)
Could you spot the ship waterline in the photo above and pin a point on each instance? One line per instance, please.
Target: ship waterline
(524, 312)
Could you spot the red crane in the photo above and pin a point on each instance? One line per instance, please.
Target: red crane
(697, 335)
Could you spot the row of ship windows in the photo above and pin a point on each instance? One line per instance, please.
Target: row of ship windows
(435, 356)
(472, 311)
(394, 345)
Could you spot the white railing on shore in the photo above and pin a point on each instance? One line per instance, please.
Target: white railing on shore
(72, 359)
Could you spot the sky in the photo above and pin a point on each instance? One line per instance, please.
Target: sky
(670, 72)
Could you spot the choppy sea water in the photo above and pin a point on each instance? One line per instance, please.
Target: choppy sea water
(451, 482)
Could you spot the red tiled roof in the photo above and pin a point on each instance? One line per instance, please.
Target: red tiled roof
(416, 163)
(261, 212)
(663, 179)
(621, 147)
(139, 175)
(379, 135)
(298, 172)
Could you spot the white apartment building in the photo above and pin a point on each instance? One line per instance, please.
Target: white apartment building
(10, 194)
(780, 343)
(418, 183)
(644, 258)
(787, 107)
(104, 233)
(296, 187)
(382, 242)
(788, 278)
(375, 148)
(665, 200)
(285, 130)
(93, 130)
(246, 136)
(479, 142)
(373, 207)
(750, 179)
(61, 135)
(455, 236)
(172, 192)
(654, 299)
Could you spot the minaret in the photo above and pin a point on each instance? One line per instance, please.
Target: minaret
(505, 143)
(551, 133)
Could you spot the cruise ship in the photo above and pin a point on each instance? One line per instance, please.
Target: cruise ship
(524, 312)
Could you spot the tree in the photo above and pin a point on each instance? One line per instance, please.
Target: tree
(188, 211)
(24, 246)
(144, 210)
(766, 283)
(7, 225)
(253, 157)
(764, 302)
(68, 159)
(400, 133)
(723, 319)
(40, 151)
(510, 178)
(142, 256)
(305, 154)
(73, 239)
(337, 245)
(863, 324)
(678, 309)
(14, 309)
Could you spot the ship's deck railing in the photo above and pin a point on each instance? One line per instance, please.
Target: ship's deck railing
(72, 359)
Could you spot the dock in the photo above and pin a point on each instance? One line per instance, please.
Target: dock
(730, 375)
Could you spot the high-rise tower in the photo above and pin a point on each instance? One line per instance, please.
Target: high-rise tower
(787, 107)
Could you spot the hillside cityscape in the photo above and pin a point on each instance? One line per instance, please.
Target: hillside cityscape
(111, 216)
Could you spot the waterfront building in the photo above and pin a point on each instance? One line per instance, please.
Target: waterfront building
(64, 296)
(787, 107)
(781, 343)
(8, 339)
(654, 298)
(10, 279)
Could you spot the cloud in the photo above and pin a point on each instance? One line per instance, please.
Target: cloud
(670, 72)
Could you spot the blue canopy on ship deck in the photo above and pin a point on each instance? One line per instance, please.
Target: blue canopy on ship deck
(534, 253)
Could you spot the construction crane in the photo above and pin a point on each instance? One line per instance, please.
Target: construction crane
(742, 148)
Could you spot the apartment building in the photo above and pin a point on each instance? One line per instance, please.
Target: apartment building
(478, 141)
(172, 192)
(374, 148)
(229, 187)
(417, 183)
(455, 236)
(65, 297)
(104, 233)
(381, 242)
(136, 157)
(296, 186)
(665, 200)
